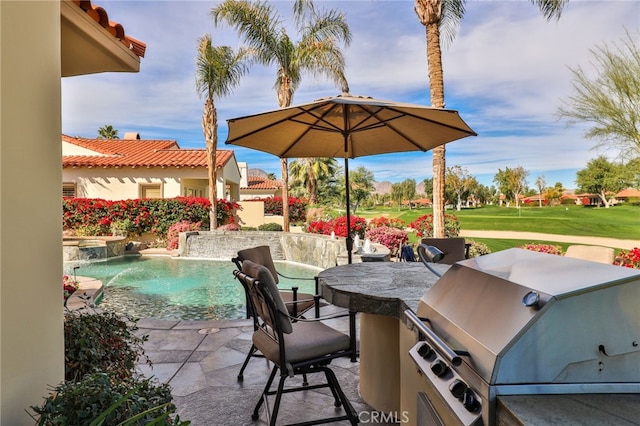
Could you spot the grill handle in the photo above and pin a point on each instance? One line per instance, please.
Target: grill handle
(433, 338)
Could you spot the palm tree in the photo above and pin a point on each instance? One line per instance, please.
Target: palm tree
(107, 132)
(446, 15)
(309, 170)
(218, 70)
(317, 51)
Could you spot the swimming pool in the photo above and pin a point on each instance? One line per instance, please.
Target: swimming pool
(186, 289)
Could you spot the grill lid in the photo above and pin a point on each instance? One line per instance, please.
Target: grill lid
(528, 317)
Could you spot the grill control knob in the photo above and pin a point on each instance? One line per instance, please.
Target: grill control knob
(439, 368)
(470, 401)
(425, 351)
(458, 388)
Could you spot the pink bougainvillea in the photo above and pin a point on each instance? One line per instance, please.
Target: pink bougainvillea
(391, 238)
(543, 248)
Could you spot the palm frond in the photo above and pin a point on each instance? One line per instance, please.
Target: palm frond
(257, 22)
(551, 8)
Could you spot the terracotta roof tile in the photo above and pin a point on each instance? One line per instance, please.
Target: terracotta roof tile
(99, 14)
(139, 153)
(257, 182)
(629, 192)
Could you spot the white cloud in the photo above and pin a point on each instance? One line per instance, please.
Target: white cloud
(506, 72)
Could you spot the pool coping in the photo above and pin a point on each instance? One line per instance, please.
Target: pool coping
(88, 294)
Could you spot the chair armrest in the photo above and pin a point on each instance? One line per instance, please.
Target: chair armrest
(296, 278)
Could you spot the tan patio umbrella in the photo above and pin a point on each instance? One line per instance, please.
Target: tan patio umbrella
(349, 127)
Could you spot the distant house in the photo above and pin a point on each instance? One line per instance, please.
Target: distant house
(255, 186)
(120, 169)
(627, 194)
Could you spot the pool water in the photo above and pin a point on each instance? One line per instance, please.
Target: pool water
(185, 289)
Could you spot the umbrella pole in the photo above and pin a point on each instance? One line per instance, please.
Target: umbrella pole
(347, 185)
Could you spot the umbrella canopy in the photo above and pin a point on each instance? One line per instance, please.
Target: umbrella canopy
(349, 127)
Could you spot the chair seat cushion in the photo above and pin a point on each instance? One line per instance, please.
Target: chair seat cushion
(307, 341)
(304, 304)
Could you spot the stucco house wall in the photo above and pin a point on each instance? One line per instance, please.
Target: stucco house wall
(96, 173)
(40, 42)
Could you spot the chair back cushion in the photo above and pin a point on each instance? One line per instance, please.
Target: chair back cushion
(262, 256)
(262, 274)
(453, 248)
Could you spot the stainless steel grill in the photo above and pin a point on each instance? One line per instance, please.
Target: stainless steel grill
(519, 322)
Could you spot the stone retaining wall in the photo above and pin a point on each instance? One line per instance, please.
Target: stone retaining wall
(92, 248)
(311, 249)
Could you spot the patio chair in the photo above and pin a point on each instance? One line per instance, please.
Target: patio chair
(593, 253)
(454, 249)
(297, 303)
(407, 254)
(295, 346)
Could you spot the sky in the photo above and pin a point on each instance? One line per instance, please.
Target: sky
(507, 72)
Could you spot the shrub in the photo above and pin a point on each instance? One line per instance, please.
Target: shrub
(477, 249)
(424, 226)
(100, 342)
(69, 286)
(270, 227)
(122, 227)
(92, 216)
(82, 402)
(320, 227)
(229, 227)
(543, 248)
(628, 258)
(101, 385)
(173, 234)
(385, 221)
(391, 238)
(339, 226)
(358, 226)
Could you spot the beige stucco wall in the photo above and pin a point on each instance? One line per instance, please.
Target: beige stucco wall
(251, 213)
(31, 314)
(124, 183)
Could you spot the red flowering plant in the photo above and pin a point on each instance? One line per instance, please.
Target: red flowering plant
(628, 258)
(543, 248)
(394, 222)
(339, 226)
(424, 226)
(320, 227)
(145, 215)
(69, 286)
(173, 234)
(358, 226)
(391, 238)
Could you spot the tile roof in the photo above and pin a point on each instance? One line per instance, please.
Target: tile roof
(258, 182)
(139, 153)
(629, 192)
(99, 14)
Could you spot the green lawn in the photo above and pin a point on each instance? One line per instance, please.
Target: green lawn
(621, 221)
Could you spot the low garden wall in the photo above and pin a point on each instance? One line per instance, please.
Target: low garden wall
(320, 251)
(92, 248)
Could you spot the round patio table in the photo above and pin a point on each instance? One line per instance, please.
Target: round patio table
(380, 292)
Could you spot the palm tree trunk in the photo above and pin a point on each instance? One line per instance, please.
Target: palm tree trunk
(436, 82)
(209, 126)
(285, 194)
(284, 100)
